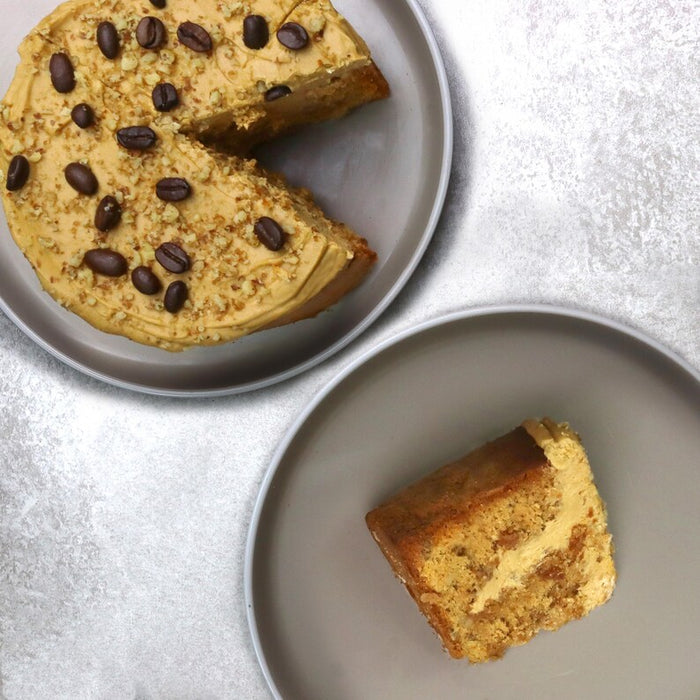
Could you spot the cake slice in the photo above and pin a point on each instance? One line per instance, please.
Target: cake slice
(509, 540)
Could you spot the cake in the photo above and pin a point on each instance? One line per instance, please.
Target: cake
(507, 541)
(124, 144)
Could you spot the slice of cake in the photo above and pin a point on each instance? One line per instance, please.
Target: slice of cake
(123, 139)
(507, 541)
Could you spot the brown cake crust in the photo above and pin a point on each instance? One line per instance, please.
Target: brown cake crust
(353, 274)
(453, 492)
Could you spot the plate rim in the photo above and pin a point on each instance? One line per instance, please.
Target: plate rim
(543, 310)
(357, 329)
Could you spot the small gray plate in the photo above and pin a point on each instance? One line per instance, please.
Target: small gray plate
(327, 617)
(383, 170)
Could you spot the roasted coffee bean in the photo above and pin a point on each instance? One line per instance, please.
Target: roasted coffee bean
(274, 93)
(81, 178)
(293, 36)
(17, 173)
(175, 296)
(108, 39)
(106, 262)
(173, 189)
(150, 33)
(165, 97)
(62, 73)
(159, 4)
(145, 280)
(137, 138)
(83, 115)
(194, 37)
(173, 258)
(255, 32)
(108, 214)
(270, 233)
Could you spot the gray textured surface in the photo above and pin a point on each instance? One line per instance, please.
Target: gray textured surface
(123, 517)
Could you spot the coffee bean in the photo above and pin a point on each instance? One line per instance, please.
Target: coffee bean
(274, 93)
(137, 138)
(17, 173)
(173, 189)
(62, 73)
(108, 39)
(255, 32)
(108, 214)
(270, 233)
(81, 178)
(165, 97)
(106, 262)
(173, 258)
(194, 37)
(83, 115)
(175, 296)
(160, 4)
(144, 279)
(293, 36)
(151, 33)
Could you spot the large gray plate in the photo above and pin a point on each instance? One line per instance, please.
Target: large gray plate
(383, 170)
(327, 617)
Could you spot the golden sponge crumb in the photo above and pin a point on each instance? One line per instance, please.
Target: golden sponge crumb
(509, 540)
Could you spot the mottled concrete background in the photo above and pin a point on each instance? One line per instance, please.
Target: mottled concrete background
(123, 518)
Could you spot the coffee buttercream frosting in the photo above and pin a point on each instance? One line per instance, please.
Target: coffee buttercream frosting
(123, 141)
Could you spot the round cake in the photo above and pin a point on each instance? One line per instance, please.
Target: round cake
(123, 144)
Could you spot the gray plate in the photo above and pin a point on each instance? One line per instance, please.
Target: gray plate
(329, 620)
(382, 169)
